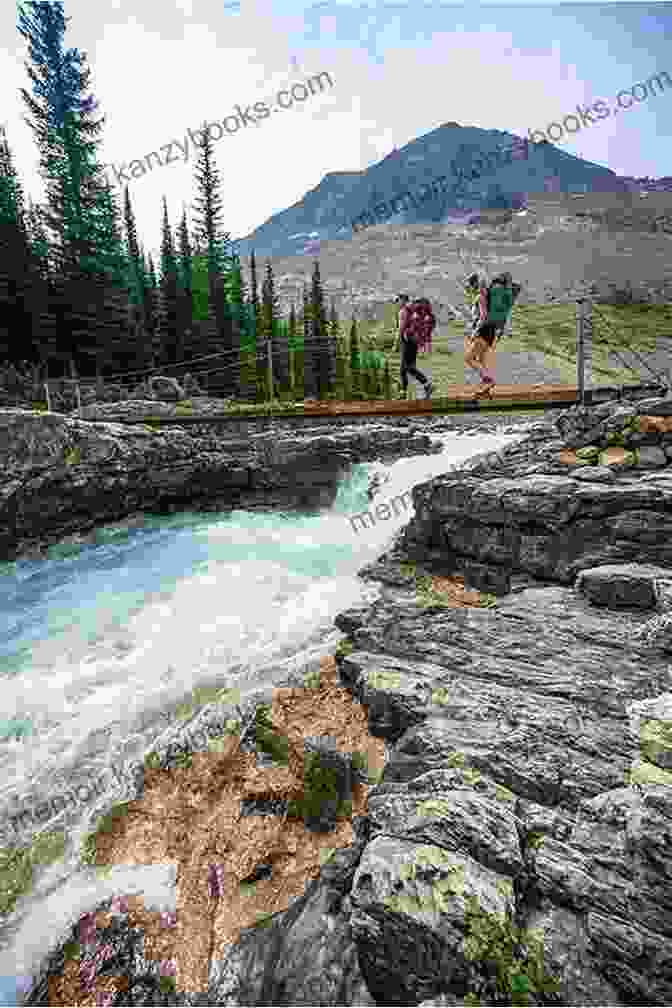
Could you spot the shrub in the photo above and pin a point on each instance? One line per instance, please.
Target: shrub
(319, 786)
(268, 740)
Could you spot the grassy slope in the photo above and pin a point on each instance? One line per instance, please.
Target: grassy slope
(550, 330)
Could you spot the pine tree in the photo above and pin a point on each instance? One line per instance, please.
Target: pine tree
(322, 348)
(216, 244)
(309, 359)
(169, 335)
(276, 331)
(341, 353)
(153, 298)
(185, 288)
(260, 349)
(295, 345)
(137, 286)
(355, 362)
(42, 333)
(16, 261)
(77, 203)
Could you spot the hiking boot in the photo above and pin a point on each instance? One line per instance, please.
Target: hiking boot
(429, 388)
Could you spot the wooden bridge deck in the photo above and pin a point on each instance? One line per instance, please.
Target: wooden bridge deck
(457, 399)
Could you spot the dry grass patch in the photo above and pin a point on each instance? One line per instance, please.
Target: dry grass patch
(191, 816)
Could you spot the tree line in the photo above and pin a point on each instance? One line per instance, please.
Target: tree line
(80, 296)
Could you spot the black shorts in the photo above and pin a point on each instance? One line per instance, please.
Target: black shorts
(489, 332)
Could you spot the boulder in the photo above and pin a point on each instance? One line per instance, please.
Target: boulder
(166, 389)
(651, 457)
(630, 586)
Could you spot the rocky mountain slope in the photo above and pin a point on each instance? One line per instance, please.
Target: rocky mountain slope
(326, 212)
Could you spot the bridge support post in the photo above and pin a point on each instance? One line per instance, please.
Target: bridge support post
(584, 349)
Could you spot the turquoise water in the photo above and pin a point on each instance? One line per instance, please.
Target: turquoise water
(100, 640)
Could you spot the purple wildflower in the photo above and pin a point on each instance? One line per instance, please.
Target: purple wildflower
(215, 881)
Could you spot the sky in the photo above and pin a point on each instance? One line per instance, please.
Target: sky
(398, 71)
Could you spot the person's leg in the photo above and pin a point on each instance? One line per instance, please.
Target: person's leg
(411, 358)
(403, 373)
(476, 352)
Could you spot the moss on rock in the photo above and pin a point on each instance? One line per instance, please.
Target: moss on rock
(18, 864)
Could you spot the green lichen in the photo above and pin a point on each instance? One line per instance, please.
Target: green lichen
(312, 680)
(326, 854)
(408, 568)
(504, 794)
(441, 695)
(72, 456)
(456, 759)
(535, 840)
(437, 899)
(183, 761)
(648, 773)
(590, 453)
(383, 680)
(220, 743)
(152, 761)
(167, 984)
(655, 740)
(18, 864)
(515, 957)
(228, 696)
(434, 807)
(103, 824)
(344, 648)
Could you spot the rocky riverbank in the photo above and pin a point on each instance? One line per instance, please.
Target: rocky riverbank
(517, 848)
(64, 476)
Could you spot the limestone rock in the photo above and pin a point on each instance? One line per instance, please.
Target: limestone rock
(622, 585)
(651, 457)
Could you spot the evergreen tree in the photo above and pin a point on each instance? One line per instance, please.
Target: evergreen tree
(355, 362)
(295, 345)
(185, 288)
(260, 349)
(16, 261)
(153, 299)
(216, 245)
(169, 335)
(42, 332)
(139, 322)
(77, 203)
(322, 349)
(309, 360)
(274, 330)
(341, 353)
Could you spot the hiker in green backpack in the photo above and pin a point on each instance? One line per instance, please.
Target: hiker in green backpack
(500, 298)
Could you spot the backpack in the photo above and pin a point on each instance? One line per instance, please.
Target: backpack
(500, 302)
(421, 323)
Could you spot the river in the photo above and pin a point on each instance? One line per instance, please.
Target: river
(100, 641)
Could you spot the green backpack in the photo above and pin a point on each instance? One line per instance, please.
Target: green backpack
(500, 302)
